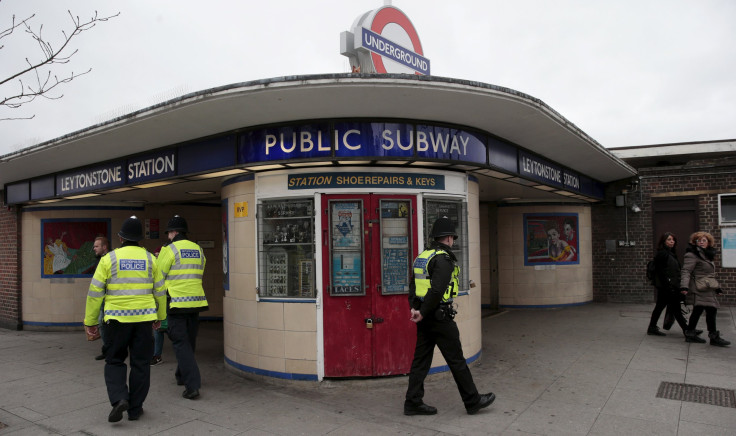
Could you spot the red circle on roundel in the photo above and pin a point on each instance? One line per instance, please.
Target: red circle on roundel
(388, 15)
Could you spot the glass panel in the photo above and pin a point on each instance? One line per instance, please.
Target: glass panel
(346, 240)
(456, 211)
(728, 208)
(286, 248)
(395, 248)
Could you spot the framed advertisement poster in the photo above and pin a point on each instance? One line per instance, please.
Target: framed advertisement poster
(347, 248)
(551, 239)
(728, 244)
(66, 246)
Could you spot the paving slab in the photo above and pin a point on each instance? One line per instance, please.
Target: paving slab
(589, 370)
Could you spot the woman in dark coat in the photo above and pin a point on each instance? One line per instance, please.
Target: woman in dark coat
(667, 281)
(698, 279)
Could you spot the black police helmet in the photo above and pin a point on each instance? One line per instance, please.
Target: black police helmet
(177, 223)
(132, 229)
(443, 227)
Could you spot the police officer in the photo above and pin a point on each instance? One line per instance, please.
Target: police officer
(130, 284)
(431, 293)
(182, 264)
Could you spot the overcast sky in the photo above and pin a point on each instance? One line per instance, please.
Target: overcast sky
(626, 72)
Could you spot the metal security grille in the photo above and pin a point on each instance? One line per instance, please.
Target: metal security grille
(697, 394)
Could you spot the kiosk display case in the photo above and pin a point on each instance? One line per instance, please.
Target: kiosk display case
(286, 248)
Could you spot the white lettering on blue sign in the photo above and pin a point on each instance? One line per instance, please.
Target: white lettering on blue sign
(442, 142)
(387, 135)
(91, 179)
(384, 47)
(145, 168)
(305, 140)
(189, 254)
(539, 169)
(345, 141)
(437, 142)
(572, 181)
(132, 265)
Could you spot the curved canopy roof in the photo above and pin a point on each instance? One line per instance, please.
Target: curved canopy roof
(516, 117)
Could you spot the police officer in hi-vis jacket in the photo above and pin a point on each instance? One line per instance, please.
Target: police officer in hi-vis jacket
(130, 284)
(431, 294)
(182, 265)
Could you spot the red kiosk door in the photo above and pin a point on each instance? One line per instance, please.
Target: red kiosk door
(369, 243)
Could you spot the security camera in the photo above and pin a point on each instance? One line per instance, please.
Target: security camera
(635, 208)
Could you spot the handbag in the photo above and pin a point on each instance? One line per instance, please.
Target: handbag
(706, 283)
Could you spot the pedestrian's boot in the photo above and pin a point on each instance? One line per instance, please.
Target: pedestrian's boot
(419, 409)
(715, 339)
(654, 331)
(691, 336)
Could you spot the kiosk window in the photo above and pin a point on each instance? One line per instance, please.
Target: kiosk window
(457, 212)
(727, 209)
(286, 248)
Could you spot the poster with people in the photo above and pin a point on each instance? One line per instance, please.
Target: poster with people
(551, 239)
(66, 246)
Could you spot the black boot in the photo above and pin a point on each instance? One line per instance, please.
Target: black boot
(654, 331)
(691, 336)
(715, 339)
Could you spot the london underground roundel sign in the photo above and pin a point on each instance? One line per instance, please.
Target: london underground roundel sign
(385, 41)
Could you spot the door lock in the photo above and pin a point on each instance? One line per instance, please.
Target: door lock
(370, 321)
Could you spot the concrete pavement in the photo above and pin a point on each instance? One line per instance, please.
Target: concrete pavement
(588, 370)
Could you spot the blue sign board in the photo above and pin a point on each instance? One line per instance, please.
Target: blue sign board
(376, 43)
(434, 142)
(366, 180)
(210, 154)
(90, 179)
(17, 192)
(539, 169)
(151, 167)
(374, 139)
(42, 188)
(282, 143)
(503, 155)
(571, 180)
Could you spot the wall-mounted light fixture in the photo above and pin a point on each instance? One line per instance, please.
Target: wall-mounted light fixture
(635, 208)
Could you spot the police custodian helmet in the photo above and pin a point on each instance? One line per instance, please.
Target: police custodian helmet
(177, 223)
(132, 229)
(443, 227)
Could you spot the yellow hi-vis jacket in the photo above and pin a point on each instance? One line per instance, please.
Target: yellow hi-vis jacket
(182, 265)
(422, 280)
(131, 284)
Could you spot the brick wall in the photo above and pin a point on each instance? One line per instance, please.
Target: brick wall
(620, 276)
(10, 277)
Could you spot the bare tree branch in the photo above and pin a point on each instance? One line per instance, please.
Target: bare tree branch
(39, 73)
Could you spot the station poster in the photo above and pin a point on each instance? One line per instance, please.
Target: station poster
(551, 239)
(66, 246)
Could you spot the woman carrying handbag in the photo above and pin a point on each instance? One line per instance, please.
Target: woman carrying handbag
(698, 280)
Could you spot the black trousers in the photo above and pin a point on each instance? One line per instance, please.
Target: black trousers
(710, 317)
(183, 329)
(445, 335)
(135, 339)
(671, 300)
